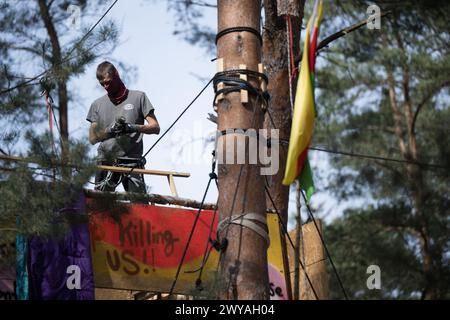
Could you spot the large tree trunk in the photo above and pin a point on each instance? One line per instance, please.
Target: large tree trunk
(243, 265)
(276, 60)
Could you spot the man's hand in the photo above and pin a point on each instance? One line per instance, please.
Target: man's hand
(129, 128)
(115, 130)
(118, 128)
(126, 127)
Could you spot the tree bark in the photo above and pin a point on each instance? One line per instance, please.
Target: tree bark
(276, 59)
(243, 272)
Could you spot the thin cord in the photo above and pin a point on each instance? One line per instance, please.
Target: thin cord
(93, 27)
(288, 39)
(176, 120)
(358, 155)
(50, 122)
(207, 251)
(190, 237)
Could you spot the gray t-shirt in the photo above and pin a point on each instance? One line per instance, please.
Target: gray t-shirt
(134, 109)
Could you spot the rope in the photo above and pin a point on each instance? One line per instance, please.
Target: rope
(285, 143)
(324, 245)
(299, 241)
(231, 79)
(48, 101)
(47, 86)
(291, 242)
(206, 253)
(230, 76)
(92, 28)
(51, 115)
(239, 29)
(291, 47)
(212, 176)
(248, 72)
(133, 163)
(358, 155)
(106, 182)
(173, 123)
(288, 39)
(292, 70)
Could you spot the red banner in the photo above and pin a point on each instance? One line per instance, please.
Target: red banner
(143, 249)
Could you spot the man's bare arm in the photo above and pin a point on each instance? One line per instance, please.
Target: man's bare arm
(152, 126)
(96, 134)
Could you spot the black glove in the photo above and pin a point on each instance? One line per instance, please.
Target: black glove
(126, 127)
(129, 128)
(114, 130)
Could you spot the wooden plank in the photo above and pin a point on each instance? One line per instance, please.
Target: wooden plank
(220, 86)
(261, 69)
(12, 158)
(112, 168)
(315, 262)
(145, 171)
(173, 189)
(244, 93)
(154, 198)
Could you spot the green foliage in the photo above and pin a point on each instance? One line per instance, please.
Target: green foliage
(27, 50)
(355, 114)
(33, 193)
(358, 240)
(409, 222)
(188, 22)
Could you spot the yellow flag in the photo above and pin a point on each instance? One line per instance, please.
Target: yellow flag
(303, 119)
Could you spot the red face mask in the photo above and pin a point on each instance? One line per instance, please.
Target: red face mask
(117, 92)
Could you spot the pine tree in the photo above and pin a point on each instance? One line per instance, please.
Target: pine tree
(385, 93)
(38, 38)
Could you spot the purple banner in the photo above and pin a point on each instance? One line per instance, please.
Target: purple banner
(62, 270)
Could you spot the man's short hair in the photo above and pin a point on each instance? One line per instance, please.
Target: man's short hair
(105, 67)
